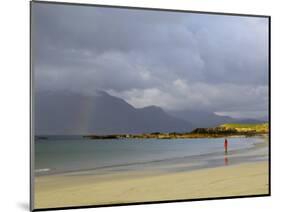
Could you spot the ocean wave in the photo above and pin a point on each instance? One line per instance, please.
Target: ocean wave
(42, 170)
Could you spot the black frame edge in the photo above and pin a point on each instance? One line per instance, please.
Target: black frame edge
(149, 8)
(31, 178)
(269, 105)
(151, 202)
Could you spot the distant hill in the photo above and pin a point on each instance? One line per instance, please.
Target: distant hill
(63, 113)
(205, 119)
(231, 129)
(240, 127)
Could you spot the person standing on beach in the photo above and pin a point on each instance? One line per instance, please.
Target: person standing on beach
(225, 146)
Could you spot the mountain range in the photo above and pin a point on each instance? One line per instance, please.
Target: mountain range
(65, 113)
(207, 119)
(60, 113)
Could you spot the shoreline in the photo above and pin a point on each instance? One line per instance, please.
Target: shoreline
(241, 172)
(235, 156)
(74, 190)
(145, 136)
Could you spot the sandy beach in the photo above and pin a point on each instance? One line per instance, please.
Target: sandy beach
(87, 189)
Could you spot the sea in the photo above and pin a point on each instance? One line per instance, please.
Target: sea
(75, 154)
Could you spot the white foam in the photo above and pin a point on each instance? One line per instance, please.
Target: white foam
(42, 170)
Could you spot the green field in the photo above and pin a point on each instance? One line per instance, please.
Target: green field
(259, 128)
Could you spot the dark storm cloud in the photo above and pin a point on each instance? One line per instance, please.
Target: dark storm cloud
(174, 60)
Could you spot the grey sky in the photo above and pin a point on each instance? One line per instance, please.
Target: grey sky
(173, 60)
